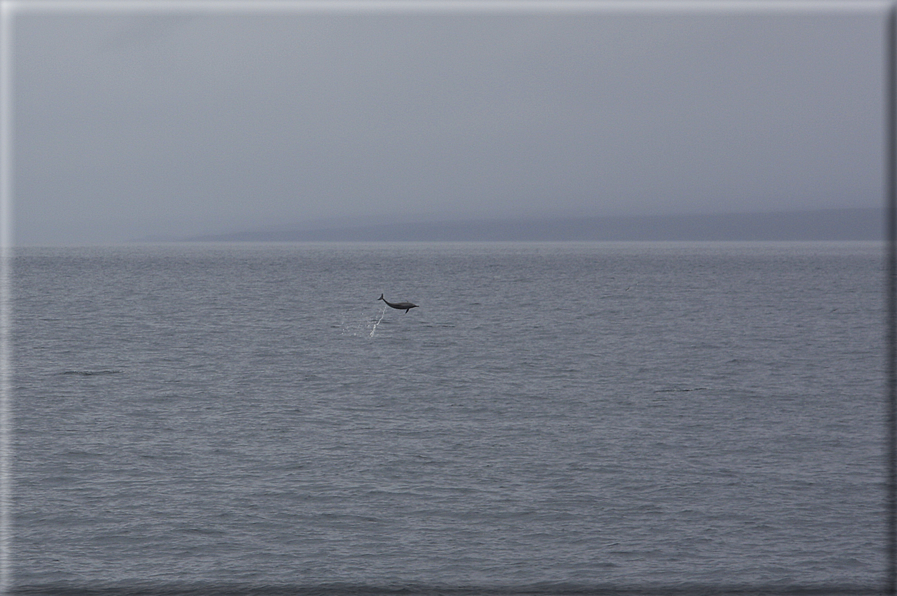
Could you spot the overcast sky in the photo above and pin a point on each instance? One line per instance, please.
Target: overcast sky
(171, 123)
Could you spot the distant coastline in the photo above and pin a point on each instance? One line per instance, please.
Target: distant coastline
(822, 224)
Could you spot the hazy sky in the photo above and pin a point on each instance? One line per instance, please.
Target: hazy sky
(152, 123)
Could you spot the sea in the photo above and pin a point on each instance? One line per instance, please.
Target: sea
(552, 418)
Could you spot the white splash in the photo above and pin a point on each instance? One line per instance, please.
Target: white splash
(374, 328)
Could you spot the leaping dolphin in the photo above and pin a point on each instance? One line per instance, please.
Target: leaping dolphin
(406, 306)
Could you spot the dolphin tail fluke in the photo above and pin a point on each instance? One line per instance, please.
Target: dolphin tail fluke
(381, 298)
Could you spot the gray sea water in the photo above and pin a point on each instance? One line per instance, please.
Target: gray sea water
(551, 417)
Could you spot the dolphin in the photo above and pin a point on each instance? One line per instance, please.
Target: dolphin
(406, 306)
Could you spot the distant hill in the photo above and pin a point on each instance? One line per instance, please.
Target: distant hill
(824, 224)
